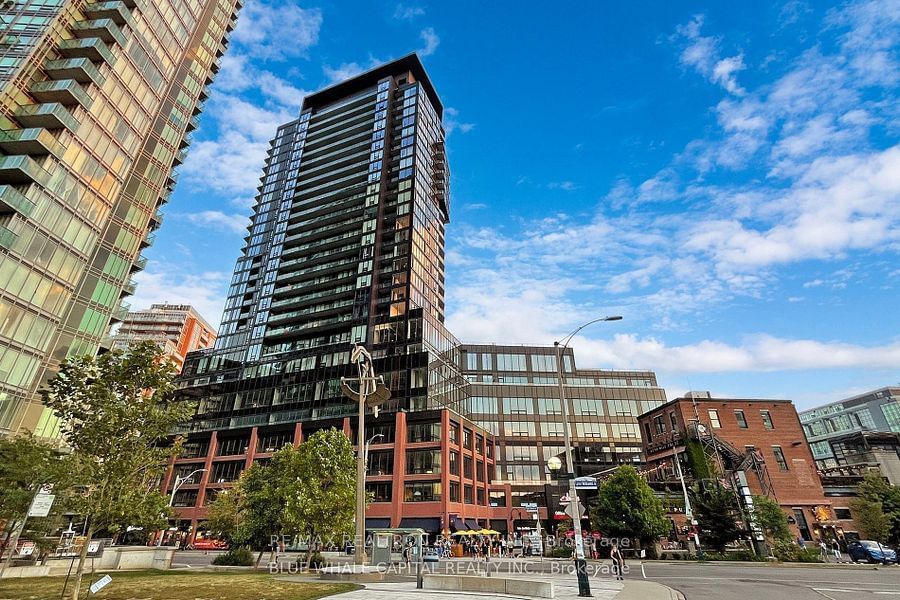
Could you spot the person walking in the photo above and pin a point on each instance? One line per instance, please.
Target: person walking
(823, 550)
(618, 561)
(836, 549)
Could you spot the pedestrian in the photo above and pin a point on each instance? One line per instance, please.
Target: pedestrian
(801, 542)
(836, 549)
(823, 550)
(618, 561)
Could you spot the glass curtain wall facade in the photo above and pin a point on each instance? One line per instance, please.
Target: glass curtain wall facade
(346, 245)
(96, 101)
(513, 393)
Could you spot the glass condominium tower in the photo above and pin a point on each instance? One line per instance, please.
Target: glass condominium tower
(96, 101)
(346, 245)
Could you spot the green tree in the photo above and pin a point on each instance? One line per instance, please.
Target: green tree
(26, 464)
(321, 501)
(771, 519)
(627, 507)
(875, 489)
(116, 417)
(309, 490)
(716, 511)
(871, 520)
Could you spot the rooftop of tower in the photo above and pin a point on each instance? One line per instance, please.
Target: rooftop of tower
(411, 62)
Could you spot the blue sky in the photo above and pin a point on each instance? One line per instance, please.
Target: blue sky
(726, 176)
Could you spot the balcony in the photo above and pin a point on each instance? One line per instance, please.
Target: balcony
(92, 49)
(156, 219)
(115, 11)
(22, 169)
(129, 288)
(180, 157)
(52, 115)
(139, 264)
(12, 200)
(104, 29)
(148, 240)
(33, 142)
(81, 70)
(130, 3)
(7, 237)
(66, 92)
(120, 313)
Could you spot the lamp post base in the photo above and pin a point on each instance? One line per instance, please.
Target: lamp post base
(584, 585)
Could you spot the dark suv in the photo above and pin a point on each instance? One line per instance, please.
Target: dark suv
(870, 551)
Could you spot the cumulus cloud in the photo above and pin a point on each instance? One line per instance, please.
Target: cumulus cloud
(702, 53)
(431, 41)
(278, 29)
(169, 282)
(234, 223)
(408, 12)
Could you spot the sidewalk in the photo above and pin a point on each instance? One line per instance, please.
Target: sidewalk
(564, 589)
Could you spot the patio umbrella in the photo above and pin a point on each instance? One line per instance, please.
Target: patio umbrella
(464, 533)
(487, 532)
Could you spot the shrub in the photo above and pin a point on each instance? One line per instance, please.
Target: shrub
(235, 557)
(560, 552)
(316, 561)
(791, 552)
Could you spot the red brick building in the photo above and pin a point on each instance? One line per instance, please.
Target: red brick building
(429, 469)
(762, 438)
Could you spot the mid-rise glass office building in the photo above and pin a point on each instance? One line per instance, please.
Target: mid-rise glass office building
(96, 101)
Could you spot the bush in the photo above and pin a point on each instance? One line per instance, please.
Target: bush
(235, 557)
(791, 552)
(740, 555)
(560, 552)
(316, 561)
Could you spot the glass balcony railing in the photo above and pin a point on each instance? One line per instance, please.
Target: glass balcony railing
(12, 200)
(51, 115)
(116, 11)
(22, 169)
(7, 237)
(91, 48)
(33, 142)
(104, 29)
(66, 92)
(80, 69)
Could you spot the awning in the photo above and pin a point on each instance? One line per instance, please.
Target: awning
(499, 525)
(431, 525)
(374, 523)
(457, 524)
(473, 524)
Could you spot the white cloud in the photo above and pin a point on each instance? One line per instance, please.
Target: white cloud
(408, 12)
(235, 223)
(348, 70)
(431, 40)
(277, 30)
(452, 122)
(702, 53)
(566, 186)
(169, 283)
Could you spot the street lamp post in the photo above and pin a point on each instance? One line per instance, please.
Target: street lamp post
(584, 586)
(370, 391)
(179, 481)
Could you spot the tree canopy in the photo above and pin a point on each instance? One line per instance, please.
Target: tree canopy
(876, 494)
(627, 507)
(116, 418)
(772, 519)
(716, 510)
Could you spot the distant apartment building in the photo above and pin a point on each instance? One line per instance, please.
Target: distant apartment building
(96, 103)
(513, 393)
(176, 328)
(878, 410)
(757, 439)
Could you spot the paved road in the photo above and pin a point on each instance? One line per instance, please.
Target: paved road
(722, 581)
(710, 581)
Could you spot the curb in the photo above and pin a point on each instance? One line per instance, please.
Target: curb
(648, 590)
(787, 565)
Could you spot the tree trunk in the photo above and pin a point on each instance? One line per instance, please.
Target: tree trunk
(79, 573)
(259, 558)
(12, 534)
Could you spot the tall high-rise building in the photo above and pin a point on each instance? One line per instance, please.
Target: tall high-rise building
(346, 245)
(176, 328)
(96, 101)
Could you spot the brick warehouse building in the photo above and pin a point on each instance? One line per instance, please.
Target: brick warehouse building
(762, 438)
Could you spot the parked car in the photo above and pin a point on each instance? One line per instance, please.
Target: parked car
(869, 551)
(209, 544)
(431, 554)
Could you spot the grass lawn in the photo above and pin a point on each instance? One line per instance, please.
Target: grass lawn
(175, 585)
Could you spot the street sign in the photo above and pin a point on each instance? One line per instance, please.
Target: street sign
(100, 584)
(586, 483)
(40, 506)
(564, 499)
(570, 510)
